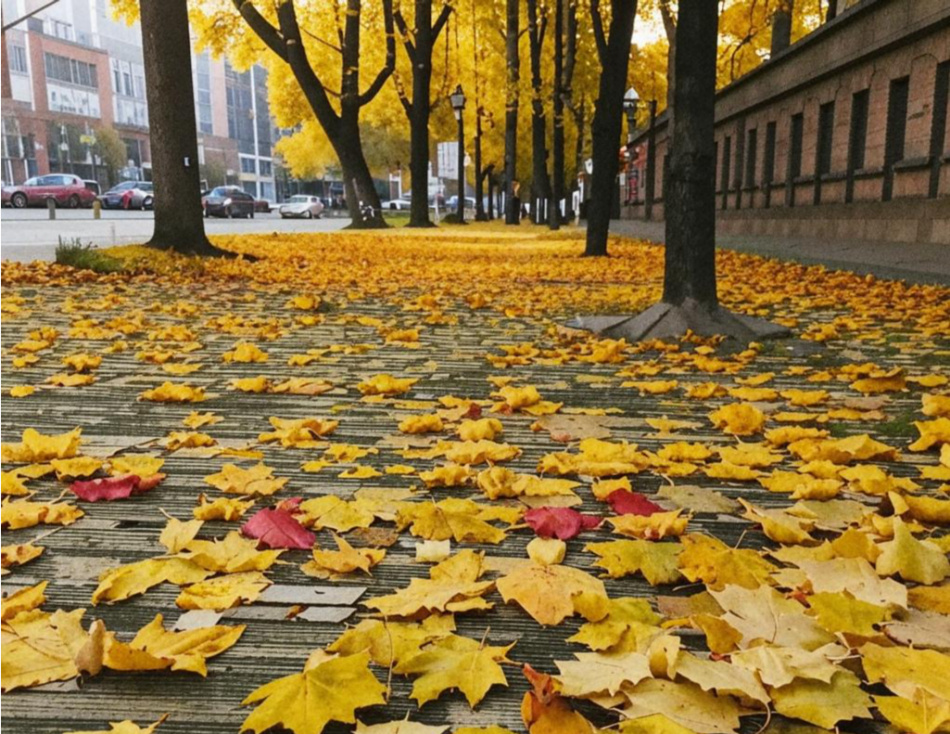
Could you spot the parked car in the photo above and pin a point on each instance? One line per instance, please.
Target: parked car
(301, 205)
(453, 203)
(402, 204)
(228, 201)
(264, 205)
(63, 188)
(129, 195)
(92, 185)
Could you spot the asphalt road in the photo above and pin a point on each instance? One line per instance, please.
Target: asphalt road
(29, 234)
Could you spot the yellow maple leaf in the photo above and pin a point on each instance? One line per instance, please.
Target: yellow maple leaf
(223, 592)
(306, 702)
(483, 429)
(169, 392)
(245, 352)
(740, 419)
(37, 447)
(257, 480)
(455, 662)
(257, 384)
(548, 593)
(335, 513)
(651, 527)
(126, 727)
(657, 562)
(386, 385)
(122, 582)
(430, 423)
(300, 433)
(912, 559)
(19, 514)
(17, 555)
(196, 420)
(228, 509)
(345, 560)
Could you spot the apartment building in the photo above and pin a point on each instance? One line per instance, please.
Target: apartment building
(72, 71)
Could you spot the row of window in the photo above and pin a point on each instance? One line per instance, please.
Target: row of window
(71, 71)
(743, 166)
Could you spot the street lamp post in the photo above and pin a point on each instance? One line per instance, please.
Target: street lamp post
(631, 100)
(457, 98)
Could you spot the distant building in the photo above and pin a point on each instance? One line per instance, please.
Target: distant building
(844, 135)
(72, 69)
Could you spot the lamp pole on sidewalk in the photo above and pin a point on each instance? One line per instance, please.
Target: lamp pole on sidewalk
(457, 99)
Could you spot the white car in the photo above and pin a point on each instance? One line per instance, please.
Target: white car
(301, 205)
(397, 205)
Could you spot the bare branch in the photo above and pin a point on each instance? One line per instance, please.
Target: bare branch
(598, 23)
(390, 65)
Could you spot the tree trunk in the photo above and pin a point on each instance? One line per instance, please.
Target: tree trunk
(557, 135)
(362, 198)
(540, 183)
(690, 188)
(419, 44)
(512, 36)
(419, 144)
(782, 26)
(166, 45)
(608, 118)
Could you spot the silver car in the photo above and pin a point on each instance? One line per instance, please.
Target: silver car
(301, 205)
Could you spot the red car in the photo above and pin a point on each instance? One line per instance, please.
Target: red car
(65, 189)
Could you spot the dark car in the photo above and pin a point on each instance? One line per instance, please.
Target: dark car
(265, 206)
(228, 201)
(129, 195)
(63, 188)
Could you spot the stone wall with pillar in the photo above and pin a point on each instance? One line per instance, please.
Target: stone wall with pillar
(845, 133)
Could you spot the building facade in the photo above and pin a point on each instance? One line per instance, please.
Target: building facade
(845, 134)
(74, 76)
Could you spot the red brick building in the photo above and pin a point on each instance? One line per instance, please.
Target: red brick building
(844, 134)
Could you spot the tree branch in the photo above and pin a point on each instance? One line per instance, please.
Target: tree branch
(406, 35)
(296, 56)
(441, 21)
(598, 22)
(390, 65)
(271, 37)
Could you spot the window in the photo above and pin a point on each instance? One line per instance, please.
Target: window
(247, 165)
(826, 124)
(71, 71)
(265, 168)
(896, 131)
(796, 130)
(938, 128)
(60, 29)
(724, 171)
(752, 154)
(12, 141)
(18, 59)
(203, 93)
(768, 164)
(857, 139)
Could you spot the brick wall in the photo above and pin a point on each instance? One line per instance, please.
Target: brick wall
(872, 47)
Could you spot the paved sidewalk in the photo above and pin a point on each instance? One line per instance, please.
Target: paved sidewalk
(911, 261)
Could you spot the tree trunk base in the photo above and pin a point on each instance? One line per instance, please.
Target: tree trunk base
(664, 321)
(374, 223)
(204, 249)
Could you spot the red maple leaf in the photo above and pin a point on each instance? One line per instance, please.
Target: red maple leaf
(559, 522)
(277, 528)
(625, 502)
(111, 488)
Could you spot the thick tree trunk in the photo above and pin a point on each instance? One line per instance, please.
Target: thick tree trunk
(513, 57)
(362, 199)
(419, 48)
(608, 119)
(689, 287)
(782, 26)
(166, 44)
(540, 183)
(419, 148)
(690, 188)
(557, 134)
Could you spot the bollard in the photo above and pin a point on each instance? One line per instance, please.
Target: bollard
(51, 206)
(97, 209)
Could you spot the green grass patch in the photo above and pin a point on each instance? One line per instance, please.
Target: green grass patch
(902, 426)
(75, 254)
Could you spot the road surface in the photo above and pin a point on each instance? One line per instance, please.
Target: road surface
(29, 234)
